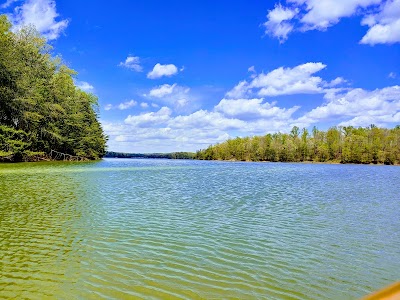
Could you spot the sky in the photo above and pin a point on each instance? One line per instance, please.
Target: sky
(182, 75)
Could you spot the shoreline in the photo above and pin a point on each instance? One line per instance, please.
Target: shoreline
(216, 160)
(301, 162)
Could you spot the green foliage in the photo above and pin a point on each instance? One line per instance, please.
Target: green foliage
(41, 109)
(173, 155)
(338, 144)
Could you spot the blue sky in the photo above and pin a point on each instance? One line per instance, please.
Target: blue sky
(181, 75)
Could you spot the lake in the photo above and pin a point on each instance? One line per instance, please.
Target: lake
(180, 229)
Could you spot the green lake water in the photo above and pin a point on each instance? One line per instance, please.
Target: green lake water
(173, 229)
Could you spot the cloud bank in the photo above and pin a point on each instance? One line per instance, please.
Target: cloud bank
(246, 111)
(382, 17)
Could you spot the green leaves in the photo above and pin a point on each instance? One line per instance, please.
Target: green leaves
(338, 144)
(40, 107)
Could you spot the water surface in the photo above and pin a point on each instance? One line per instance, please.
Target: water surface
(168, 229)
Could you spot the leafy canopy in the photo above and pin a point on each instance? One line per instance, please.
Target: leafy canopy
(41, 109)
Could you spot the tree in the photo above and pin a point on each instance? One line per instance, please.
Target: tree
(345, 144)
(40, 107)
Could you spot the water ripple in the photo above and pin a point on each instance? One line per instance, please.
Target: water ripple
(162, 229)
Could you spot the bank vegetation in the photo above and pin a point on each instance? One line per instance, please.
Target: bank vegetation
(43, 114)
(359, 145)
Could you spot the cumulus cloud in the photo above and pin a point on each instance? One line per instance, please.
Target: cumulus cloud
(144, 105)
(85, 86)
(288, 81)
(208, 120)
(133, 63)
(383, 18)
(162, 90)
(384, 25)
(42, 14)
(283, 81)
(358, 107)
(160, 70)
(127, 105)
(392, 75)
(248, 109)
(149, 119)
(277, 24)
(243, 117)
(190, 132)
(335, 82)
(175, 95)
(127, 138)
(167, 129)
(323, 14)
(161, 131)
(240, 90)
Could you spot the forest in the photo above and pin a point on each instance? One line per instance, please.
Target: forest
(43, 115)
(362, 145)
(173, 155)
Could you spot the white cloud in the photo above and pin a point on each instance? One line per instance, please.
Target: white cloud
(277, 24)
(384, 26)
(162, 90)
(149, 119)
(85, 86)
(358, 106)
(251, 69)
(122, 106)
(239, 91)
(175, 95)
(248, 109)
(335, 82)
(162, 70)
(287, 81)
(376, 120)
(283, 81)
(144, 105)
(43, 15)
(392, 75)
(133, 63)
(383, 18)
(207, 120)
(161, 132)
(167, 129)
(127, 105)
(127, 138)
(321, 14)
(108, 107)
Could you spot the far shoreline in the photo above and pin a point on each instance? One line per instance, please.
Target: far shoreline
(170, 156)
(302, 162)
(263, 161)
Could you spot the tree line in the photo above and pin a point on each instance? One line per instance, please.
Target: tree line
(173, 155)
(361, 145)
(41, 109)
